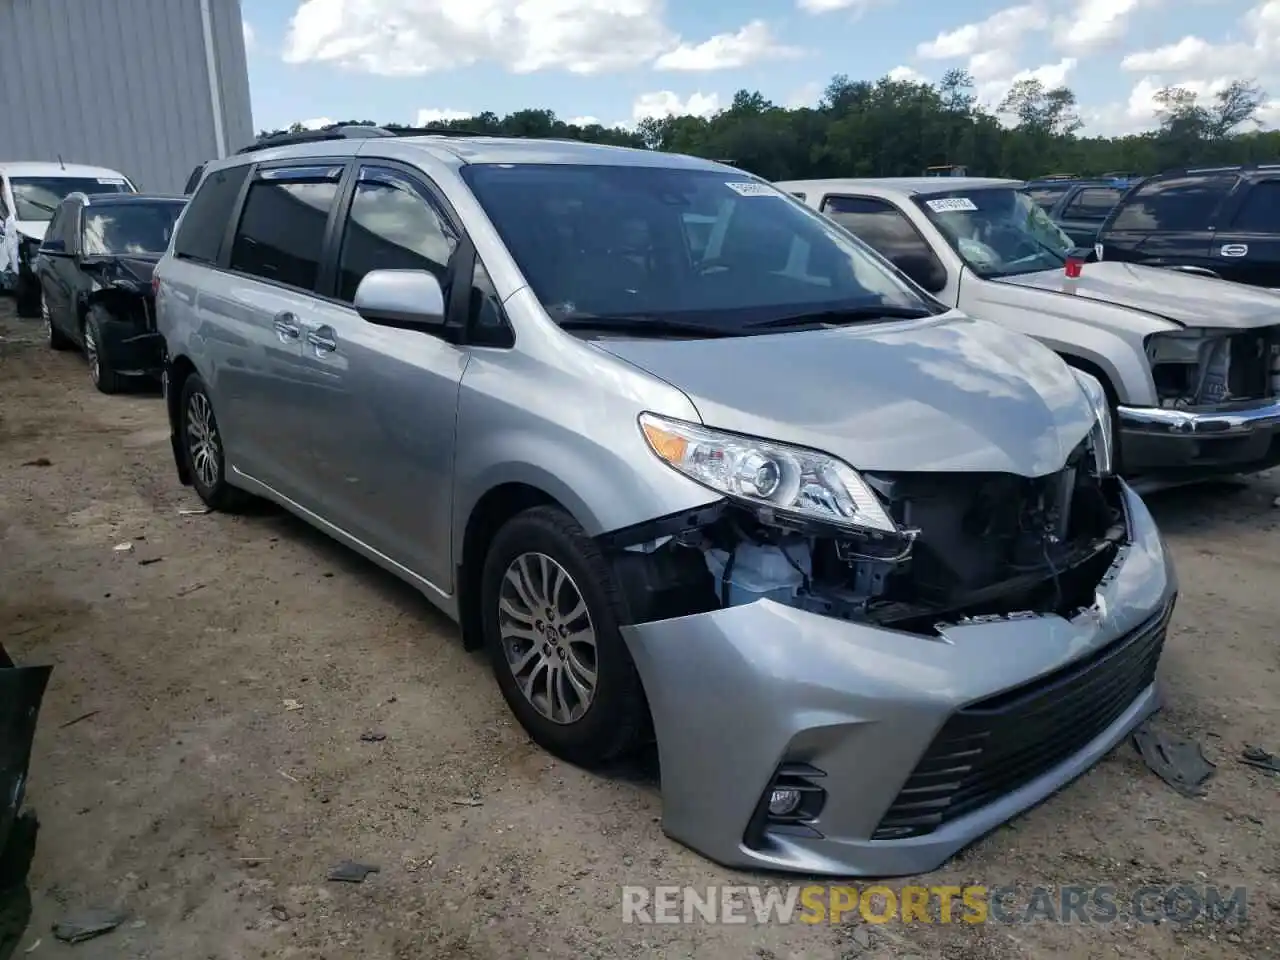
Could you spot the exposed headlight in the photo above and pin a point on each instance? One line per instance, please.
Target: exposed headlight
(790, 480)
(1101, 438)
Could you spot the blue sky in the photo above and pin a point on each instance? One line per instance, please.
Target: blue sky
(618, 60)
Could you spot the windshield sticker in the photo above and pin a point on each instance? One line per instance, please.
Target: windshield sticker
(747, 188)
(111, 180)
(951, 205)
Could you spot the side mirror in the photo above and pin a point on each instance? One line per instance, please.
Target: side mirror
(406, 299)
(53, 246)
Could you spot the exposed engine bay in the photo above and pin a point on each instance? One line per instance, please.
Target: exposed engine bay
(970, 545)
(1207, 367)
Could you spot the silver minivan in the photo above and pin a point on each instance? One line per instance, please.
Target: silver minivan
(694, 464)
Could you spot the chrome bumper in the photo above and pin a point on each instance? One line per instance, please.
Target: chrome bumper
(1227, 421)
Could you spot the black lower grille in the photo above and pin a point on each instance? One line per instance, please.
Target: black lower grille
(991, 748)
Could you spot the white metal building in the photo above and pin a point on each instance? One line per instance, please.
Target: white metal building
(147, 87)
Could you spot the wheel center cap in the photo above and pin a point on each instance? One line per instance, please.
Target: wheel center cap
(553, 635)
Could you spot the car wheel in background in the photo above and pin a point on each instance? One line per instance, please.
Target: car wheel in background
(27, 295)
(100, 371)
(203, 449)
(56, 339)
(550, 616)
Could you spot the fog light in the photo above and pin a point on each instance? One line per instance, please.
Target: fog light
(783, 802)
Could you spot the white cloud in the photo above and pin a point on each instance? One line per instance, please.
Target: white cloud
(1051, 75)
(249, 36)
(416, 37)
(315, 123)
(725, 51)
(856, 7)
(428, 115)
(583, 121)
(1002, 29)
(907, 75)
(806, 96)
(1095, 24)
(664, 103)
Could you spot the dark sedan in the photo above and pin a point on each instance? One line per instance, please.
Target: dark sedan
(94, 270)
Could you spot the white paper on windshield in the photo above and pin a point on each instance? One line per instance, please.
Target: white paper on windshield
(747, 188)
(111, 179)
(951, 205)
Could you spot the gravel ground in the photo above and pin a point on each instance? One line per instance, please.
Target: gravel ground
(195, 798)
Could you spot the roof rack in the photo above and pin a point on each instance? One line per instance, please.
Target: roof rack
(433, 132)
(347, 132)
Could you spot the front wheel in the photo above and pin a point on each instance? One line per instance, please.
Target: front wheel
(55, 338)
(202, 448)
(103, 374)
(550, 615)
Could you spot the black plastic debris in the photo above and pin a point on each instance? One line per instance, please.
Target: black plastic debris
(1178, 762)
(87, 924)
(373, 737)
(348, 871)
(1257, 757)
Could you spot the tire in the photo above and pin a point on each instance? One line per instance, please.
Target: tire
(55, 338)
(203, 452)
(27, 295)
(613, 717)
(101, 372)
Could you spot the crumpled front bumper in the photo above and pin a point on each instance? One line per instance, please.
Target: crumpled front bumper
(737, 693)
(1231, 438)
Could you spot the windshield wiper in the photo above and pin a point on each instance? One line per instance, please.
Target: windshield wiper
(865, 314)
(39, 205)
(640, 323)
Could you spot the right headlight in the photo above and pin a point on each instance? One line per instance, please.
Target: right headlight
(790, 480)
(1101, 437)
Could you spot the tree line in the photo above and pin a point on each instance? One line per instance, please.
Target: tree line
(890, 127)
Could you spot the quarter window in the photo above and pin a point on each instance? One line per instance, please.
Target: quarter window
(1092, 203)
(1174, 203)
(392, 226)
(1261, 210)
(205, 220)
(281, 233)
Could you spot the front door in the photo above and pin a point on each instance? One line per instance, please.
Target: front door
(1247, 247)
(382, 431)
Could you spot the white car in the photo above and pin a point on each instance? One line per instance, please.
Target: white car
(29, 195)
(1191, 364)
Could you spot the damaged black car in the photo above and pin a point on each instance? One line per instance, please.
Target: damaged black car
(94, 269)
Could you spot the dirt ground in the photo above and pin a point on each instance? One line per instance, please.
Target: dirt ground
(195, 798)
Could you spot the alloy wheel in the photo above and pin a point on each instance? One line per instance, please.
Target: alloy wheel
(548, 637)
(47, 320)
(203, 441)
(91, 353)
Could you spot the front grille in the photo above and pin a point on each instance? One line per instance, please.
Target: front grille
(991, 748)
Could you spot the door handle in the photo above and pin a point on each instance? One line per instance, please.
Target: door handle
(286, 325)
(323, 339)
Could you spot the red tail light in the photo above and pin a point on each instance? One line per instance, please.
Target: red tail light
(1075, 266)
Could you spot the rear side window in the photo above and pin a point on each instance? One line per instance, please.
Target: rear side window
(1046, 197)
(58, 225)
(1174, 203)
(1092, 203)
(205, 221)
(880, 225)
(1261, 210)
(193, 181)
(281, 232)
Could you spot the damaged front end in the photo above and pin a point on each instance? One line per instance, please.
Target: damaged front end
(1205, 367)
(21, 692)
(122, 292)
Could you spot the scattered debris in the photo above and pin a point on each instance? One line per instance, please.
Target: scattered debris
(39, 462)
(75, 720)
(191, 589)
(280, 912)
(150, 560)
(373, 737)
(87, 924)
(193, 512)
(125, 547)
(288, 776)
(254, 861)
(1179, 763)
(348, 871)
(1257, 757)
(292, 705)
(468, 802)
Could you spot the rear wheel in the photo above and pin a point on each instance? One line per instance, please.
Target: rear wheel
(202, 447)
(550, 614)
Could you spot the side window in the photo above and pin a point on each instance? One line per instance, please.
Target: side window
(281, 232)
(57, 228)
(1092, 203)
(486, 322)
(392, 226)
(4, 204)
(1260, 212)
(205, 220)
(884, 228)
(1174, 203)
(1045, 197)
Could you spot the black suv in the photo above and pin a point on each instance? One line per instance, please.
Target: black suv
(1223, 221)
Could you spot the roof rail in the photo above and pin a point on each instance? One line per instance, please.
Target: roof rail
(433, 132)
(347, 132)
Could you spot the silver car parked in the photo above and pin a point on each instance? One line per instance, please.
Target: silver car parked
(692, 463)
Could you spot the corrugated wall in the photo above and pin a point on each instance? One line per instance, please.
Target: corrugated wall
(121, 84)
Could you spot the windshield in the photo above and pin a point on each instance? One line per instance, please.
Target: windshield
(998, 231)
(36, 198)
(655, 244)
(114, 229)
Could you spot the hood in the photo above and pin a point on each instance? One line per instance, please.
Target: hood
(21, 691)
(35, 229)
(1182, 298)
(943, 394)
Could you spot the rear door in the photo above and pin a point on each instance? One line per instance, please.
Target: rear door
(1247, 247)
(55, 267)
(887, 230)
(1083, 211)
(1168, 221)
